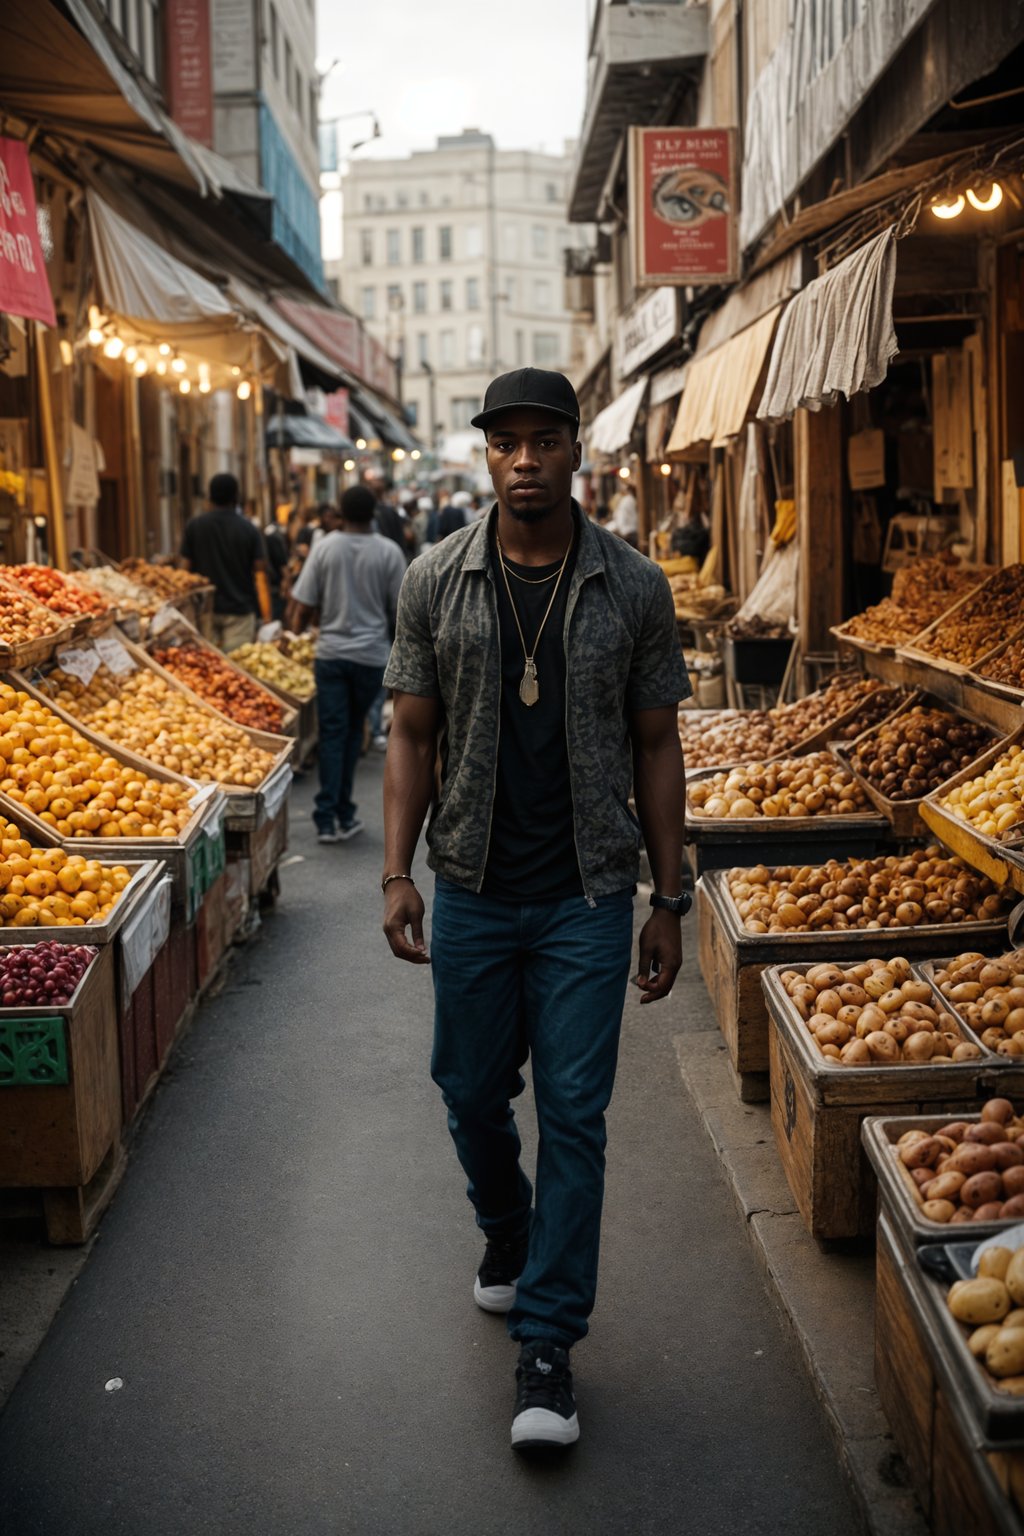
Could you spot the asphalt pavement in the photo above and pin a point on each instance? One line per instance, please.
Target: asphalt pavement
(283, 1288)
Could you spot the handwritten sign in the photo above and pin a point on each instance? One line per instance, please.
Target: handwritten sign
(114, 655)
(24, 286)
(79, 662)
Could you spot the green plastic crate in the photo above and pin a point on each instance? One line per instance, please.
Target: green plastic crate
(33, 1053)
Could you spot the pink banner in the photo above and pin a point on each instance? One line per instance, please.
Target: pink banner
(24, 286)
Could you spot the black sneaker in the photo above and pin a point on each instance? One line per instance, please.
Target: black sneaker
(545, 1416)
(494, 1289)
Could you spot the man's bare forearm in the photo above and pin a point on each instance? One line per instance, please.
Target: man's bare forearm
(659, 786)
(408, 790)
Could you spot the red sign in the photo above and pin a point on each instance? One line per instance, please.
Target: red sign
(24, 286)
(189, 82)
(683, 211)
(336, 411)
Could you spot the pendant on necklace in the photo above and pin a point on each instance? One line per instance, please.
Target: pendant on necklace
(529, 688)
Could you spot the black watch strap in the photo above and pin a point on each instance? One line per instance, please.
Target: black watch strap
(680, 904)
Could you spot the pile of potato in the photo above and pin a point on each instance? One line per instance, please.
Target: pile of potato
(901, 891)
(969, 1170)
(23, 619)
(1008, 666)
(167, 581)
(265, 662)
(921, 593)
(760, 734)
(816, 785)
(992, 803)
(876, 1015)
(912, 754)
(150, 716)
(992, 1306)
(984, 619)
(989, 996)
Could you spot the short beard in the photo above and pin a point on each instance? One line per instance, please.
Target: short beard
(530, 514)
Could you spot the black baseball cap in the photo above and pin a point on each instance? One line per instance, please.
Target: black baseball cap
(536, 388)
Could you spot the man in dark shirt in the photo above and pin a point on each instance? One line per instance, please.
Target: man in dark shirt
(545, 654)
(222, 545)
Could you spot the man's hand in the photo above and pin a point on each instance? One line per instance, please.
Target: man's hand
(403, 908)
(660, 944)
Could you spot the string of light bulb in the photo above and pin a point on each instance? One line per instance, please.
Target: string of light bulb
(158, 357)
(947, 207)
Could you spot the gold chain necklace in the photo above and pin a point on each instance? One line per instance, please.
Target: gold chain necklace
(541, 581)
(529, 687)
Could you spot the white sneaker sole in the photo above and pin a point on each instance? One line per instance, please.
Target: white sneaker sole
(494, 1298)
(539, 1428)
(344, 833)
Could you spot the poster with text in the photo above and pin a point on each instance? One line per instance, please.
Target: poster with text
(683, 208)
(24, 286)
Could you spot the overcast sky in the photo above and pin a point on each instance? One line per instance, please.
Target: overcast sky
(428, 67)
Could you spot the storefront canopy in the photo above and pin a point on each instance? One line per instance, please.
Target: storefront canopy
(138, 278)
(837, 337)
(307, 432)
(612, 428)
(720, 387)
(376, 419)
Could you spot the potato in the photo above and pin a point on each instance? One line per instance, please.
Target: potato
(994, 1263)
(883, 1048)
(909, 1137)
(856, 1054)
(919, 1154)
(1014, 1319)
(992, 1210)
(1014, 1384)
(1013, 1180)
(1005, 1353)
(919, 1048)
(838, 1034)
(1008, 1154)
(970, 1157)
(946, 1186)
(979, 1301)
(954, 1130)
(1013, 1208)
(938, 1210)
(981, 1338)
(981, 1189)
(1015, 1277)
(987, 1133)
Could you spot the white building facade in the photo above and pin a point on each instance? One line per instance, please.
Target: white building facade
(453, 257)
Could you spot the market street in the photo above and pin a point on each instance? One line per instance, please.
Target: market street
(283, 1284)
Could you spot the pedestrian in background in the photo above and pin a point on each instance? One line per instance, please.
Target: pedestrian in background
(547, 651)
(455, 515)
(222, 545)
(352, 576)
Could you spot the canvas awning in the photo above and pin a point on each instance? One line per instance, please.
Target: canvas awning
(138, 278)
(307, 432)
(837, 337)
(720, 387)
(612, 428)
(371, 410)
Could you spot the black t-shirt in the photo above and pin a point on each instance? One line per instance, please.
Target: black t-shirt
(223, 546)
(532, 854)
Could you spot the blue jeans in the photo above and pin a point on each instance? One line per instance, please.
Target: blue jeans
(344, 692)
(546, 980)
(376, 713)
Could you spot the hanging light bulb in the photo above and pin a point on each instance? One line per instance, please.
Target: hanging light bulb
(244, 390)
(204, 379)
(951, 210)
(986, 204)
(360, 443)
(67, 352)
(624, 472)
(161, 367)
(350, 464)
(113, 347)
(178, 364)
(130, 354)
(666, 469)
(398, 454)
(164, 349)
(95, 336)
(95, 316)
(235, 371)
(140, 367)
(415, 455)
(185, 386)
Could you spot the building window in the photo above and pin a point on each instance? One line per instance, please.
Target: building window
(419, 298)
(419, 245)
(475, 344)
(395, 300)
(551, 192)
(444, 236)
(401, 199)
(511, 292)
(312, 108)
(463, 411)
(520, 349)
(422, 348)
(545, 349)
(300, 94)
(542, 294)
(394, 247)
(540, 240)
(288, 69)
(472, 293)
(447, 340)
(369, 305)
(446, 293)
(424, 199)
(412, 412)
(366, 247)
(510, 242)
(474, 242)
(367, 202)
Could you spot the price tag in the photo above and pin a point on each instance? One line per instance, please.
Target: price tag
(113, 654)
(79, 662)
(164, 618)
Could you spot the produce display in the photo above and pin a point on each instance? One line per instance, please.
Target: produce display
(899, 891)
(166, 580)
(42, 975)
(753, 627)
(989, 996)
(815, 785)
(910, 755)
(302, 648)
(992, 803)
(760, 734)
(75, 787)
(270, 665)
(984, 620)
(992, 1308)
(876, 1015)
(22, 619)
(47, 888)
(1008, 666)
(969, 1170)
(921, 593)
(150, 716)
(207, 673)
(130, 596)
(60, 593)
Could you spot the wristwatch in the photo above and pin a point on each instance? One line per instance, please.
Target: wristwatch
(680, 904)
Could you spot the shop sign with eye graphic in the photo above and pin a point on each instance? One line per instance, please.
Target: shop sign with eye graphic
(689, 195)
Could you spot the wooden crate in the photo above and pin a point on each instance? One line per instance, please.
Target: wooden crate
(732, 960)
(212, 934)
(1001, 860)
(180, 631)
(818, 1106)
(956, 1480)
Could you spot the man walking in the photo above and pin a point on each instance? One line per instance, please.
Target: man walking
(222, 545)
(353, 577)
(547, 651)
